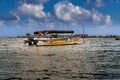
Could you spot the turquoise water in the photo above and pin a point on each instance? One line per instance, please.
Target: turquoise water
(96, 59)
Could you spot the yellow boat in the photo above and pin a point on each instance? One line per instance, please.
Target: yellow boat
(52, 38)
(56, 42)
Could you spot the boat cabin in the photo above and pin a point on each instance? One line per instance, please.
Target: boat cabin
(54, 33)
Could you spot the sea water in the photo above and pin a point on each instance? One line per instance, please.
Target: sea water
(95, 59)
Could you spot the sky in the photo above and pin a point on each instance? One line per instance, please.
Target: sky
(98, 17)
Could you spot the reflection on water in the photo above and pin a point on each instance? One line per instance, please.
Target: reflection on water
(95, 59)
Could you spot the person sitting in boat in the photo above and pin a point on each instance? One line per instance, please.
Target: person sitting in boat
(50, 40)
(39, 34)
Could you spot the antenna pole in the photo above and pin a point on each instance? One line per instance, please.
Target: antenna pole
(83, 34)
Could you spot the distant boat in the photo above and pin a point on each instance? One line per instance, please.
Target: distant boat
(117, 38)
(52, 38)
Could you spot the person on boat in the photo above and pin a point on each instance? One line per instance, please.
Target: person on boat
(50, 40)
(39, 34)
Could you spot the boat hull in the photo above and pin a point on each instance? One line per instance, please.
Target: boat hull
(56, 44)
(52, 42)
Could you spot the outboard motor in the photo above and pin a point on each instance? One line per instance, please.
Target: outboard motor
(29, 40)
(35, 42)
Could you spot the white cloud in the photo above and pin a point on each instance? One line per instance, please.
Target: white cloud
(100, 18)
(43, 1)
(96, 17)
(31, 22)
(16, 16)
(99, 3)
(67, 12)
(88, 1)
(107, 19)
(32, 10)
(33, 1)
(50, 25)
(2, 23)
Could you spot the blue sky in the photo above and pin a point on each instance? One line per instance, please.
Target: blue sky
(99, 17)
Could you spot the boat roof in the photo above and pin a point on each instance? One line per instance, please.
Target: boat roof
(55, 31)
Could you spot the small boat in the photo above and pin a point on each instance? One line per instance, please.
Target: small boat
(57, 42)
(117, 38)
(47, 40)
